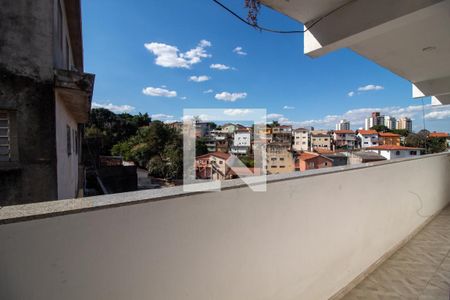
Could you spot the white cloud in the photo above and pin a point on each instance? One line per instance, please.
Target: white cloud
(239, 51)
(114, 108)
(231, 97)
(202, 117)
(161, 116)
(200, 78)
(183, 98)
(208, 91)
(274, 116)
(351, 94)
(170, 56)
(438, 115)
(237, 112)
(219, 67)
(158, 92)
(288, 107)
(370, 87)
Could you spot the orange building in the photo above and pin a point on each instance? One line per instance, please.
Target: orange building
(388, 138)
(308, 161)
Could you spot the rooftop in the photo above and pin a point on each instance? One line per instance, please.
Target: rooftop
(392, 147)
(388, 134)
(367, 132)
(439, 135)
(344, 131)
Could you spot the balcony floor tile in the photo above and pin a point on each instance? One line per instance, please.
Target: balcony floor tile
(420, 270)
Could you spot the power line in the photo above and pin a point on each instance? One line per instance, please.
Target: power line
(281, 31)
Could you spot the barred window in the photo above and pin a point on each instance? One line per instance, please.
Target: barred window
(69, 141)
(5, 143)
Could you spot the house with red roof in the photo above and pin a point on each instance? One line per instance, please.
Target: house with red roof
(389, 138)
(213, 166)
(394, 152)
(368, 138)
(309, 160)
(344, 139)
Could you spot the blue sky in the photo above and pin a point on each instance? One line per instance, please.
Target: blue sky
(146, 52)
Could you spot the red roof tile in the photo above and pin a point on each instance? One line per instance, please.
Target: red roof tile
(343, 131)
(388, 134)
(438, 135)
(367, 132)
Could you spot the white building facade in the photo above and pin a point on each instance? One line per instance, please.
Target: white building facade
(368, 138)
(301, 139)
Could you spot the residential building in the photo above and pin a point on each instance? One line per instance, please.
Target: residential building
(343, 125)
(361, 157)
(241, 141)
(282, 134)
(389, 138)
(213, 166)
(219, 135)
(394, 152)
(368, 123)
(390, 122)
(203, 128)
(176, 125)
(404, 123)
(374, 120)
(279, 158)
(441, 135)
(344, 139)
(339, 158)
(301, 139)
(309, 161)
(45, 99)
(368, 138)
(222, 145)
(231, 128)
(320, 139)
(265, 132)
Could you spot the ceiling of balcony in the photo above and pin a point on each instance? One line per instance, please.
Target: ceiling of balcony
(408, 37)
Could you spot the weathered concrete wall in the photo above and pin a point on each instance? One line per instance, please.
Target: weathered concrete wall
(32, 101)
(26, 42)
(26, 89)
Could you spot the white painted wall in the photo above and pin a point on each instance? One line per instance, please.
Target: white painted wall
(242, 139)
(301, 140)
(292, 242)
(395, 154)
(368, 140)
(67, 165)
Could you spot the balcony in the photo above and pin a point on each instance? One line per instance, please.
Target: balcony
(312, 235)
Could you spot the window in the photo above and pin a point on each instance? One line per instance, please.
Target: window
(221, 162)
(5, 153)
(282, 167)
(69, 140)
(281, 158)
(326, 164)
(397, 152)
(273, 158)
(413, 152)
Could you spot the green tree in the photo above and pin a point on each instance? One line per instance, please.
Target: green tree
(415, 140)
(402, 132)
(156, 167)
(436, 145)
(200, 146)
(380, 128)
